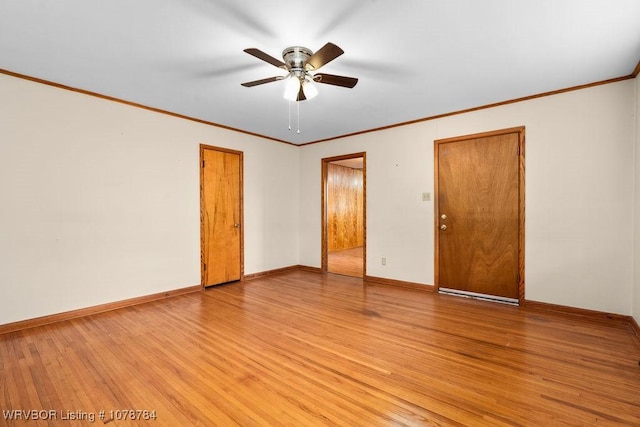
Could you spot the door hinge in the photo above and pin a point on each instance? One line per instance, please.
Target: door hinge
(204, 268)
(203, 163)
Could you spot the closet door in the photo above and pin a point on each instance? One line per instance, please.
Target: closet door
(221, 216)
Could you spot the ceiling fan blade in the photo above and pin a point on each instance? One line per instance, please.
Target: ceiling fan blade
(266, 57)
(262, 81)
(331, 79)
(326, 54)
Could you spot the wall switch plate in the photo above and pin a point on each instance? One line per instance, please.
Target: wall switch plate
(384, 261)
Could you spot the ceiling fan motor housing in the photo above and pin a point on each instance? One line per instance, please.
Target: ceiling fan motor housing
(296, 58)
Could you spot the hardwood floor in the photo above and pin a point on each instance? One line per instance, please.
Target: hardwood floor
(304, 349)
(348, 262)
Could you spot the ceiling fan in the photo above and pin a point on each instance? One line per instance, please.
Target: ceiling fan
(301, 63)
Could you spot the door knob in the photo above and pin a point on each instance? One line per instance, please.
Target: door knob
(236, 225)
(443, 227)
(443, 217)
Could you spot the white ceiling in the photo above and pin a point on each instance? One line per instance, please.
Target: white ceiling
(414, 58)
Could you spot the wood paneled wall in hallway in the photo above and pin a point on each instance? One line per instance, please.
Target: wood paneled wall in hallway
(345, 208)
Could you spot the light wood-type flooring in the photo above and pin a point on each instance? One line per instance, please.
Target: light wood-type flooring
(305, 349)
(348, 262)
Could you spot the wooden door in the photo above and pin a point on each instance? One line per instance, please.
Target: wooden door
(480, 214)
(221, 215)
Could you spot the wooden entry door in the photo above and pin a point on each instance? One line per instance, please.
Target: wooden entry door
(480, 214)
(221, 215)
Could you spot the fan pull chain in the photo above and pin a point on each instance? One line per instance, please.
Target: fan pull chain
(298, 112)
(298, 116)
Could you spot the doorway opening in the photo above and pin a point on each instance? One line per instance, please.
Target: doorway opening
(344, 215)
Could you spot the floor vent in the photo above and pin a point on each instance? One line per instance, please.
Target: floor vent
(484, 297)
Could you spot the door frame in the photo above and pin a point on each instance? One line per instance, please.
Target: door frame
(520, 130)
(324, 195)
(241, 207)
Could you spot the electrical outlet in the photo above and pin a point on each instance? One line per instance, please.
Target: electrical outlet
(384, 261)
(426, 197)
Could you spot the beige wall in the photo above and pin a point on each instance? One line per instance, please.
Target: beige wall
(99, 201)
(579, 195)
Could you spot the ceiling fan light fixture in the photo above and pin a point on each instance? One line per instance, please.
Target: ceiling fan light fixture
(291, 88)
(309, 88)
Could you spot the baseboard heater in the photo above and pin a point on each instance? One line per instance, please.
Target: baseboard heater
(484, 297)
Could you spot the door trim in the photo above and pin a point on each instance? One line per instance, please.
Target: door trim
(324, 195)
(241, 183)
(521, 208)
